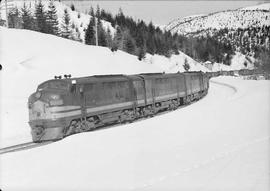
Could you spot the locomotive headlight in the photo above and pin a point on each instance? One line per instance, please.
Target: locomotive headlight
(55, 97)
(55, 100)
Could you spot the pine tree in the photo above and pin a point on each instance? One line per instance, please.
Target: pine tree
(141, 52)
(40, 18)
(27, 19)
(52, 19)
(186, 65)
(14, 19)
(98, 12)
(141, 44)
(92, 12)
(66, 25)
(118, 40)
(77, 35)
(72, 7)
(101, 35)
(129, 43)
(109, 38)
(90, 37)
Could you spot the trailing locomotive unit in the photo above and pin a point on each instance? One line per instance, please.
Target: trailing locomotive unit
(61, 107)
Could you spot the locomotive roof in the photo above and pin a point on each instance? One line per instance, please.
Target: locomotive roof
(119, 77)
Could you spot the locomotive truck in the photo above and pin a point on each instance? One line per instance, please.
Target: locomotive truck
(62, 107)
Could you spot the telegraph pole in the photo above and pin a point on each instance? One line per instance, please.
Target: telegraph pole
(6, 12)
(96, 32)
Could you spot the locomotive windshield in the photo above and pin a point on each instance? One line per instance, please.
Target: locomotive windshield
(60, 85)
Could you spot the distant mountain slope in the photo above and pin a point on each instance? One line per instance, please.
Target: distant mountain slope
(243, 31)
(232, 19)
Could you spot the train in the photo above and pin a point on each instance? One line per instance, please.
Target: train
(245, 73)
(62, 107)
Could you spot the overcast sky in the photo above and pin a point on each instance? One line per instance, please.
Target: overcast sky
(162, 12)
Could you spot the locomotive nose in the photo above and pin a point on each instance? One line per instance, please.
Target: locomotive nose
(41, 118)
(36, 106)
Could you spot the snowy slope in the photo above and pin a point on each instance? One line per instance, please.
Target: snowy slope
(29, 58)
(218, 143)
(80, 22)
(231, 19)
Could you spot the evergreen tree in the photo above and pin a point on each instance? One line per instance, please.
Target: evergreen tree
(264, 60)
(109, 38)
(101, 34)
(14, 19)
(52, 19)
(141, 52)
(129, 43)
(66, 25)
(40, 18)
(77, 35)
(141, 44)
(118, 40)
(27, 19)
(186, 65)
(98, 12)
(72, 7)
(92, 12)
(90, 37)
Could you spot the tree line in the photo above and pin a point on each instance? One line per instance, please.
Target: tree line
(139, 37)
(42, 20)
(134, 37)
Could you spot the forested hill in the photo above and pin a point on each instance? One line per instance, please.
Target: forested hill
(244, 30)
(114, 31)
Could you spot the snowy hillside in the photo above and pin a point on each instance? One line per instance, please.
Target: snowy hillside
(242, 35)
(80, 20)
(231, 19)
(29, 58)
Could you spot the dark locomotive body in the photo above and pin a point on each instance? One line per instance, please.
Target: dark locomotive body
(66, 106)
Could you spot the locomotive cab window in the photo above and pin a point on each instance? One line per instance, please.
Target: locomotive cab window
(61, 85)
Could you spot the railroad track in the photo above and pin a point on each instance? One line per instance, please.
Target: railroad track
(23, 146)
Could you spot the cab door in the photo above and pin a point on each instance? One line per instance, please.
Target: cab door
(81, 95)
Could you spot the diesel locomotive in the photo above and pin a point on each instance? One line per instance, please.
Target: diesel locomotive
(61, 107)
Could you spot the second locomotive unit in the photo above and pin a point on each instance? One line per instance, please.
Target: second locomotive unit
(61, 107)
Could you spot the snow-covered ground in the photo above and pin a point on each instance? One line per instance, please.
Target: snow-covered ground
(80, 20)
(29, 58)
(218, 143)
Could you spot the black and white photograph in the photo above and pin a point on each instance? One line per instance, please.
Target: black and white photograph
(134, 95)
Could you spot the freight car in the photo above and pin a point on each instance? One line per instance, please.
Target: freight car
(61, 107)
